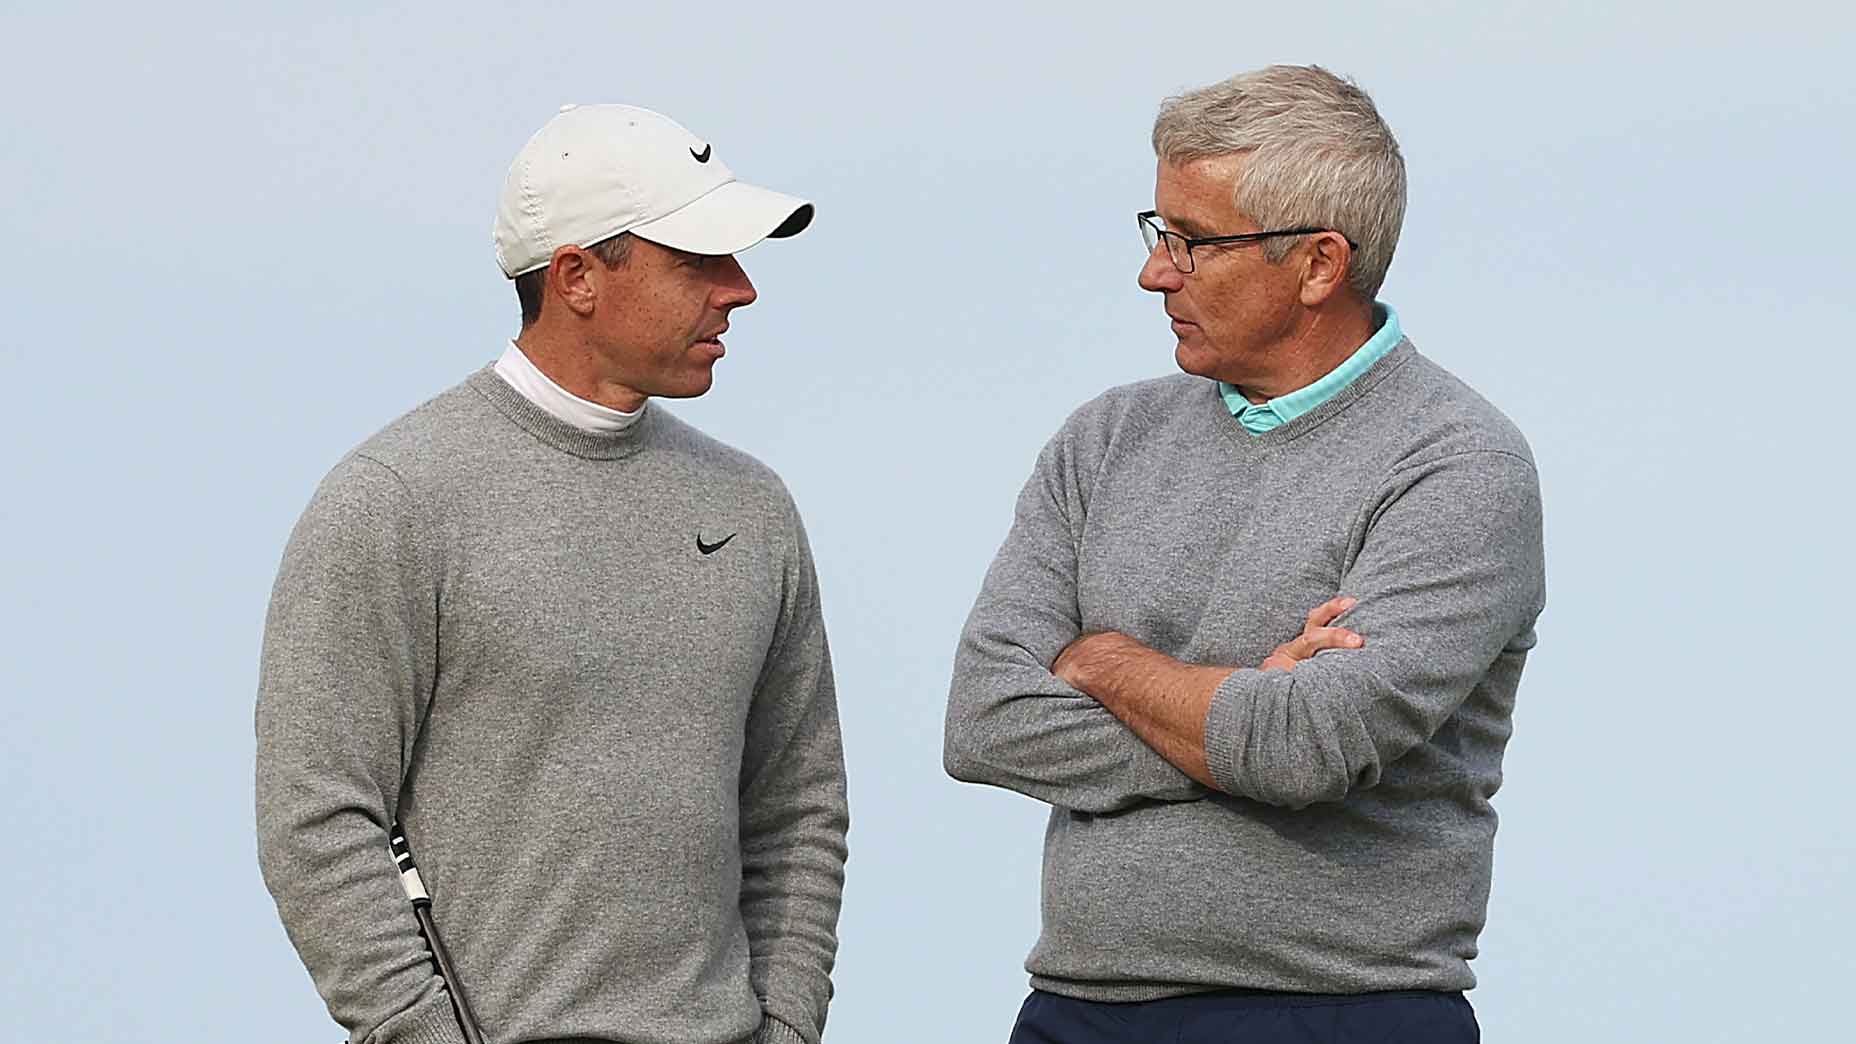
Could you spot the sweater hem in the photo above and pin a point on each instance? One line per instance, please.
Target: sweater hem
(434, 1022)
(1142, 992)
(773, 1031)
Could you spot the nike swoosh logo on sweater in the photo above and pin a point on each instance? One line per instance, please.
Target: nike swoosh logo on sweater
(710, 549)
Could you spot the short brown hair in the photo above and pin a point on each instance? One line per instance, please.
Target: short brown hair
(611, 252)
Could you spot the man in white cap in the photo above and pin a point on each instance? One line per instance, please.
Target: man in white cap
(573, 646)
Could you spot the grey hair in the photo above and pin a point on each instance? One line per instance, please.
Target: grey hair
(1319, 156)
(611, 252)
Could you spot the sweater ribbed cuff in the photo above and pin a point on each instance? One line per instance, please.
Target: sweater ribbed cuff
(773, 1031)
(434, 1022)
(1224, 725)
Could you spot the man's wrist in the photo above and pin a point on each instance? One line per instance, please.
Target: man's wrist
(1093, 663)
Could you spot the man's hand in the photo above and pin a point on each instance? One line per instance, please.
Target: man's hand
(1316, 635)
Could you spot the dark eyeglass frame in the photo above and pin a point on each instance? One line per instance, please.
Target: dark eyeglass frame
(1148, 222)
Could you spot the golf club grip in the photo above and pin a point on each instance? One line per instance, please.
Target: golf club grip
(422, 909)
(467, 1019)
(409, 871)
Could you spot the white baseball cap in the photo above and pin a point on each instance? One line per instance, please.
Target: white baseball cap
(595, 171)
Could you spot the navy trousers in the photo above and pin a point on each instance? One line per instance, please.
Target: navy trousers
(1252, 1017)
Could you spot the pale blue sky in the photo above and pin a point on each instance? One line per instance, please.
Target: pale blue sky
(237, 241)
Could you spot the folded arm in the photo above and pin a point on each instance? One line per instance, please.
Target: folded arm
(1012, 723)
(1449, 575)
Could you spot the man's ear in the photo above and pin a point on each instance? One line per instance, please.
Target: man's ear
(570, 278)
(1327, 258)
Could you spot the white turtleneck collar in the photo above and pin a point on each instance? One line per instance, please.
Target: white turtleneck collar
(524, 376)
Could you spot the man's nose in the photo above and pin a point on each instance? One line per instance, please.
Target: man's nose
(737, 290)
(1159, 274)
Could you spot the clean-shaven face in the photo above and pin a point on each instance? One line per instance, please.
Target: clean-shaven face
(1234, 307)
(662, 314)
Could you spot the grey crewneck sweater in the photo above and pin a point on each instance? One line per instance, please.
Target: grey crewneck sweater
(616, 757)
(1348, 846)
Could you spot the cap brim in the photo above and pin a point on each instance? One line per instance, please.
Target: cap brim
(728, 219)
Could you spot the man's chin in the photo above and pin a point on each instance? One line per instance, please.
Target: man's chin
(690, 387)
(1193, 359)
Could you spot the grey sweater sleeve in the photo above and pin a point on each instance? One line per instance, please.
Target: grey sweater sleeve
(1449, 576)
(1010, 722)
(794, 815)
(349, 647)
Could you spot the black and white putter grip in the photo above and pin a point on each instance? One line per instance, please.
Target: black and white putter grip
(422, 909)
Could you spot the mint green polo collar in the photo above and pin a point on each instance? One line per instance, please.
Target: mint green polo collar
(1259, 417)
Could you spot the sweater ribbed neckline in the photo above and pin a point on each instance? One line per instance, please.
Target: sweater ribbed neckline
(1250, 444)
(545, 426)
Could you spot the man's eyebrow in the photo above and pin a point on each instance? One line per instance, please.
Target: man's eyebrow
(1185, 226)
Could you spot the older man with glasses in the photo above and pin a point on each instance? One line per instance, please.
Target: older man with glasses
(1258, 834)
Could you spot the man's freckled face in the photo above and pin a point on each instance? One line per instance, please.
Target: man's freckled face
(1228, 312)
(665, 334)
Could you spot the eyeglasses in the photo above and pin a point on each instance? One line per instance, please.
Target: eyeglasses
(1179, 248)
